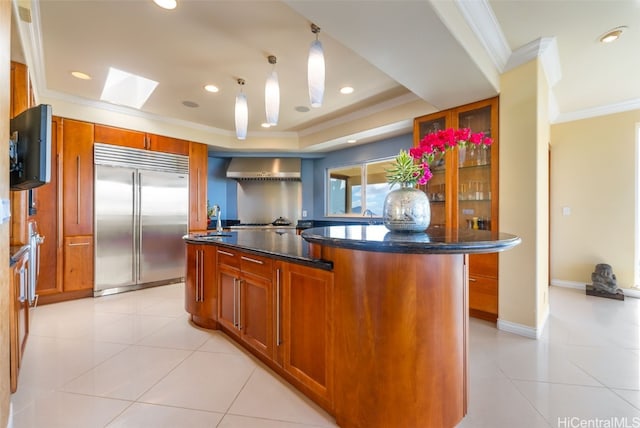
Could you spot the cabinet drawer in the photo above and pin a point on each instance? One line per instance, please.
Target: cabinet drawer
(483, 294)
(228, 257)
(256, 265)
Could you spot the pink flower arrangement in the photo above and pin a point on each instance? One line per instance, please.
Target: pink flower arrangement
(441, 141)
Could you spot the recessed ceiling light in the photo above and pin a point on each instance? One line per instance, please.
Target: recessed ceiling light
(613, 35)
(190, 104)
(302, 109)
(265, 125)
(211, 88)
(346, 90)
(351, 141)
(127, 89)
(166, 4)
(80, 75)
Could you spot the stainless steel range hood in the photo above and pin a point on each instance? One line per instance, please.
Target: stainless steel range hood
(264, 169)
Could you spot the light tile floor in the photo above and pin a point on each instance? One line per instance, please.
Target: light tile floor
(133, 360)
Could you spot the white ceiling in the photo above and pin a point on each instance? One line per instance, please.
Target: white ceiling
(404, 59)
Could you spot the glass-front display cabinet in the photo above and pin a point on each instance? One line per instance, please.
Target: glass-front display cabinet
(464, 192)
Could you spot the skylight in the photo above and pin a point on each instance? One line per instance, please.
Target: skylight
(127, 89)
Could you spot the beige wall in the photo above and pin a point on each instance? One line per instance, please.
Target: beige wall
(593, 174)
(5, 69)
(524, 136)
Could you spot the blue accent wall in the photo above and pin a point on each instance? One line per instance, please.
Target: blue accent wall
(220, 190)
(224, 191)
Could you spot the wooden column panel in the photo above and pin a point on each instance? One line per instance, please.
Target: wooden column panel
(77, 177)
(19, 101)
(45, 203)
(198, 162)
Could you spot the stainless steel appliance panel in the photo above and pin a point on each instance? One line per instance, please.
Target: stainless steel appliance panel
(264, 201)
(164, 212)
(115, 246)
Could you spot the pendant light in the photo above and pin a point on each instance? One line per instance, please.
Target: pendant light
(242, 113)
(315, 70)
(272, 94)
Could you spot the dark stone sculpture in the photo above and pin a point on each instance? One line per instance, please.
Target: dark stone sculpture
(604, 283)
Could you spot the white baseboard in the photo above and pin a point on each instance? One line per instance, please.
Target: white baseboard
(628, 292)
(519, 329)
(10, 421)
(569, 284)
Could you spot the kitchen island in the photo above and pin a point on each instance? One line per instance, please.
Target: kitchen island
(371, 325)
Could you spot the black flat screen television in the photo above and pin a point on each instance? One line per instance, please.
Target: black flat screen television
(30, 148)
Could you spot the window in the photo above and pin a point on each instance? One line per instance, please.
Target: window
(358, 189)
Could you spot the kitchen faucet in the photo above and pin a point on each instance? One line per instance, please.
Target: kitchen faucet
(217, 213)
(370, 214)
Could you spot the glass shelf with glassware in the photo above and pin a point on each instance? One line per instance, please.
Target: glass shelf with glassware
(467, 179)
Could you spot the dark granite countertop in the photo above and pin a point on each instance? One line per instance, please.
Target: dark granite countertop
(432, 241)
(279, 244)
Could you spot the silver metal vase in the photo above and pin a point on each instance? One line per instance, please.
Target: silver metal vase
(406, 209)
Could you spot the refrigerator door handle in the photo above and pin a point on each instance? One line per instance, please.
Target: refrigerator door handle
(138, 211)
(134, 228)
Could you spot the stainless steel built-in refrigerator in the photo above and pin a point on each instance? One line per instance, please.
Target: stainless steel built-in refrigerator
(141, 215)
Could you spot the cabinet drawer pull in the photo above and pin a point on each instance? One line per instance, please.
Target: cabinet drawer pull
(78, 244)
(240, 304)
(472, 280)
(235, 304)
(226, 253)
(198, 196)
(197, 282)
(78, 189)
(201, 276)
(249, 259)
(278, 338)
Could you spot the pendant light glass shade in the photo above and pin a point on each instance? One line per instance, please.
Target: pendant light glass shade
(242, 113)
(272, 95)
(315, 70)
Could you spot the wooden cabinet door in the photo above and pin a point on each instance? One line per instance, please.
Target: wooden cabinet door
(256, 313)
(198, 187)
(159, 143)
(46, 206)
(304, 320)
(227, 280)
(77, 177)
(483, 297)
(200, 285)
(78, 263)
(192, 279)
(120, 137)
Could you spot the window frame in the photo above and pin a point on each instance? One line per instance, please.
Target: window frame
(363, 185)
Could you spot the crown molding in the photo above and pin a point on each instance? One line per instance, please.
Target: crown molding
(546, 50)
(483, 22)
(628, 105)
(31, 38)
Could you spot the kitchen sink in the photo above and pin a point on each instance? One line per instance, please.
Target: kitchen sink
(214, 236)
